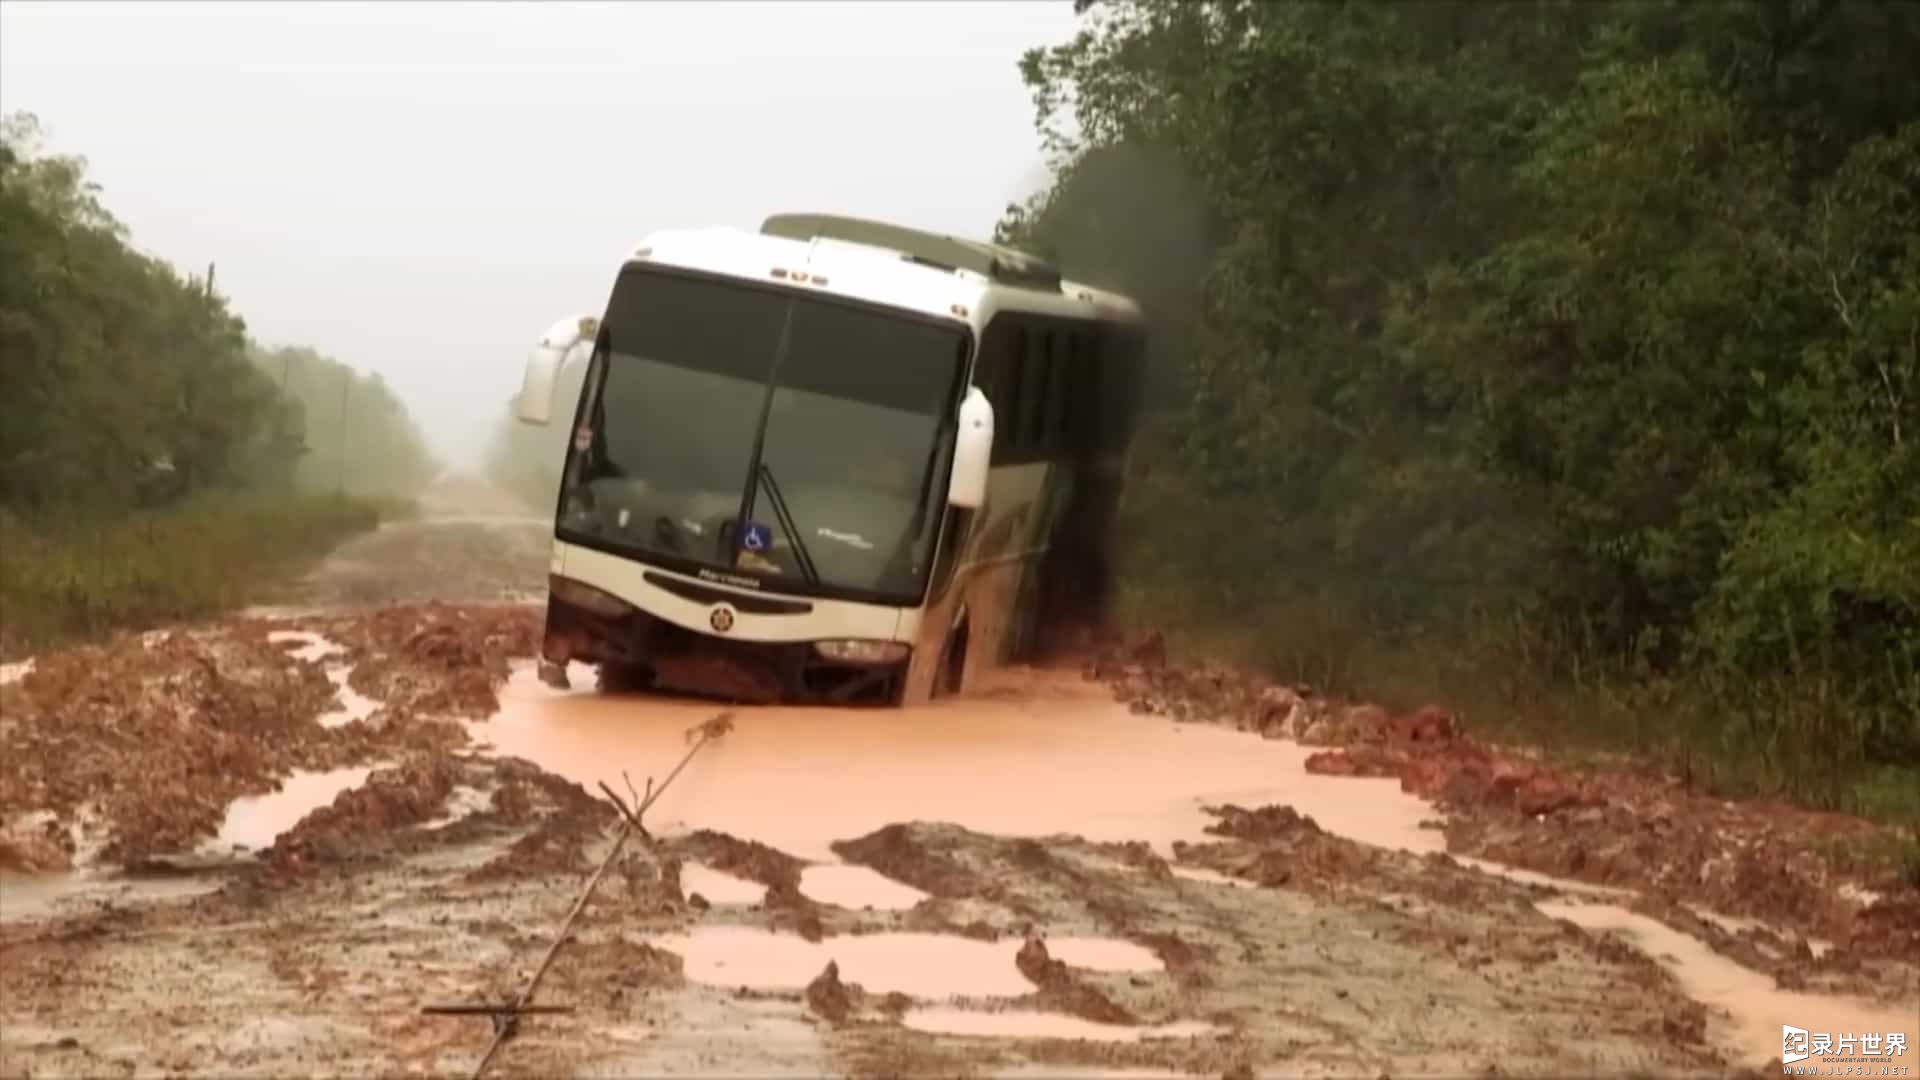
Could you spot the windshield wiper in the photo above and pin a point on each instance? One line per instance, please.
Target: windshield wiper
(785, 516)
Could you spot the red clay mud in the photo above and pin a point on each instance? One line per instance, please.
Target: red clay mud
(748, 859)
(1061, 991)
(567, 821)
(436, 659)
(828, 997)
(1340, 957)
(1617, 827)
(153, 742)
(894, 852)
(390, 800)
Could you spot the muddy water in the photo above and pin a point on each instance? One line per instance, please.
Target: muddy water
(925, 966)
(1019, 1024)
(313, 648)
(254, 822)
(716, 887)
(462, 802)
(1060, 758)
(354, 706)
(1530, 877)
(1733, 925)
(1045, 754)
(1753, 1007)
(26, 897)
(857, 888)
(1053, 755)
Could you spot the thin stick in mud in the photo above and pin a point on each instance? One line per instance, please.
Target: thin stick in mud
(506, 1017)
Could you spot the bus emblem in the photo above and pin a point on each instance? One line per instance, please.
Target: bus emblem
(721, 620)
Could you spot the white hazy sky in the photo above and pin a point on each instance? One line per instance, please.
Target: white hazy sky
(420, 189)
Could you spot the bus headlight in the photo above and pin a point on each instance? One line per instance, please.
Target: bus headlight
(604, 604)
(854, 651)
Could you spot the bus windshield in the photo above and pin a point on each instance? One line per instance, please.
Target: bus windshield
(827, 423)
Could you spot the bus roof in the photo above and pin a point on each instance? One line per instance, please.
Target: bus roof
(887, 264)
(1001, 265)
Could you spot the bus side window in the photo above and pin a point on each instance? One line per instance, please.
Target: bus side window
(997, 374)
(1034, 392)
(1083, 391)
(1013, 383)
(1068, 374)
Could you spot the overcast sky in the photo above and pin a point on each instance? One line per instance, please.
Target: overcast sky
(420, 189)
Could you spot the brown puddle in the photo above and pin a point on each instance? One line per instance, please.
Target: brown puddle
(313, 648)
(856, 888)
(928, 967)
(1022, 1024)
(25, 897)
(254, 822)
(1049, 754)
(1062, 757)
(1756, 1009)
(716, 887)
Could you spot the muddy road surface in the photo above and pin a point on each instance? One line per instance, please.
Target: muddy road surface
(262, 845)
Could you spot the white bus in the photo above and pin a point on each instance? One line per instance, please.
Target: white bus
(833, 460)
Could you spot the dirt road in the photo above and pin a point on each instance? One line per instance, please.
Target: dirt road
(261, 846)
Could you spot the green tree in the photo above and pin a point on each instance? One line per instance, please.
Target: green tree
(1594, 321)
(123, 383)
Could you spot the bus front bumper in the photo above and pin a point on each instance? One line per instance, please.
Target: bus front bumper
(669, 657)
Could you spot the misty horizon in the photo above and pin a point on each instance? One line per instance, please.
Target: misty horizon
(419, 190)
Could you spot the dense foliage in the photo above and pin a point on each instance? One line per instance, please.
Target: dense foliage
(359, 438)
(1559, 344)
(134, 411)
(127, 384)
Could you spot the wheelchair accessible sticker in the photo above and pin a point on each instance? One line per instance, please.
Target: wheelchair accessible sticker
(756, 538)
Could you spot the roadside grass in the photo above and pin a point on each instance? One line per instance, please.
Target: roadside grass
(1792, 736)
(79, 579)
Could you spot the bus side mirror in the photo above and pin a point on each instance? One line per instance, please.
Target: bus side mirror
(972, 452)
(534, 405)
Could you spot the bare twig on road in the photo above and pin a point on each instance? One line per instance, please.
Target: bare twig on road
(505, 1017)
